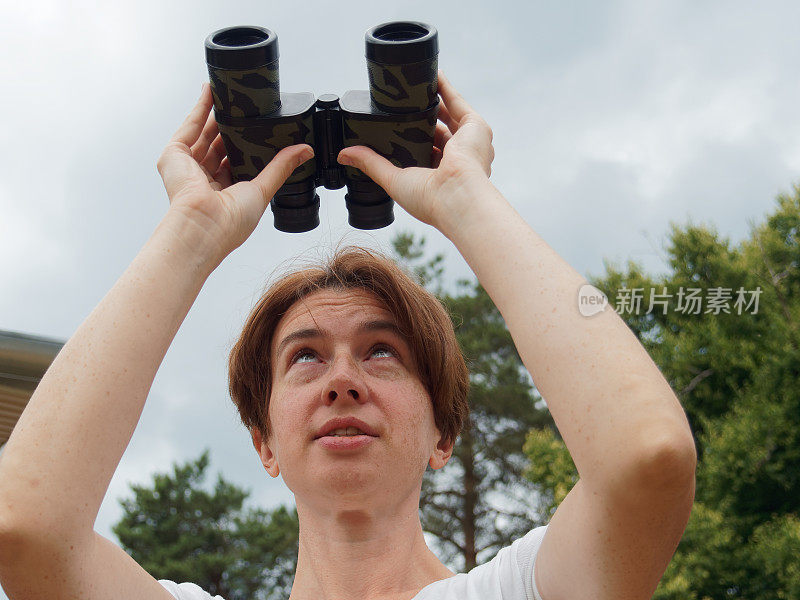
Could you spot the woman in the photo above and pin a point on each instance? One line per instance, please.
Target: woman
(349, 348)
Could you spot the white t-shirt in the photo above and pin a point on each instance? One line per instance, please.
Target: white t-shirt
(508, 576)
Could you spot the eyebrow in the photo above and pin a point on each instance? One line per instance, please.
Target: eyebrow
(314, 332)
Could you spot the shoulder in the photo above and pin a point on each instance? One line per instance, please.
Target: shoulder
(508, 575)
(513, 566)
(187, 591)
(527, 547)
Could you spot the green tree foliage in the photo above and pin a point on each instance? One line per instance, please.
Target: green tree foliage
(735, 369)
(177, 530)
(481, 501)
(550, 467)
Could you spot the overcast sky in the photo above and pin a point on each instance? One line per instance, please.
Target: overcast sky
(610, 120)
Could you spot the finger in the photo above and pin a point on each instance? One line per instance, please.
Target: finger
(215, 155)
(278, 170)
(223, 175)
(436, 157)
(191, 128)
(210, 132)
(176, 167)
(372, 164)
(441, 136)
(456, 105)
(444, 117)
(475, 133)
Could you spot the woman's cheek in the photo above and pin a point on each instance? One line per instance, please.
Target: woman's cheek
(303, 374)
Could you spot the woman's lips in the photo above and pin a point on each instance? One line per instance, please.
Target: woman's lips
(345, 442)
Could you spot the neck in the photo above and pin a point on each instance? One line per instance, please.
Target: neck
(376, 553)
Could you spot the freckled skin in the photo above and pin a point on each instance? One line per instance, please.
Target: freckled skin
(346, 375)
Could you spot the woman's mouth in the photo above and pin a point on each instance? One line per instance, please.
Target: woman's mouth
(345, 442)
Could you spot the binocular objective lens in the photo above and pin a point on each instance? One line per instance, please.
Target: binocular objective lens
(240, 36)
(400, 32)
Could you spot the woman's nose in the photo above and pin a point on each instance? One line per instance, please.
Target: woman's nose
(345, 382)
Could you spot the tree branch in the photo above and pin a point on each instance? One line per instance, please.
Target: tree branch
(447, 538)
(696, 380)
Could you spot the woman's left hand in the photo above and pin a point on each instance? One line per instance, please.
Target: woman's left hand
(462, 158)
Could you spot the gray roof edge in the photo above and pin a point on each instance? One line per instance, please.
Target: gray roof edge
(25, 337)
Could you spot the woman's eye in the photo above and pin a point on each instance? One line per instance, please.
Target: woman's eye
(383, 348)
(373, 350)
(303, 356)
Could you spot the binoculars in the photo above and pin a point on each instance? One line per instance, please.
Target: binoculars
(396, 118)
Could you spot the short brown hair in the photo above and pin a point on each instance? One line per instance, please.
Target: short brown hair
(421, 317)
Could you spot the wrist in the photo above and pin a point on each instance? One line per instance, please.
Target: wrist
(185, 244)
(467, 202)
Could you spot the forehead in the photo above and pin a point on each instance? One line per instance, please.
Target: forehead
(334, 308)
(326, 303)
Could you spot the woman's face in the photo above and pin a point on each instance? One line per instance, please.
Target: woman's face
(338, 354)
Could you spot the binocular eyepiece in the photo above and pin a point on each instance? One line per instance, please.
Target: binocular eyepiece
(396, 117)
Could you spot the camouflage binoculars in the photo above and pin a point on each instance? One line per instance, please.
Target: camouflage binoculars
(396, 118)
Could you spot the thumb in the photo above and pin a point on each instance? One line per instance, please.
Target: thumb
(278, 170)
(372, 164)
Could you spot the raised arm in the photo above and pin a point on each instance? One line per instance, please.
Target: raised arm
(617, 414)
(59, 460)
(626, 431)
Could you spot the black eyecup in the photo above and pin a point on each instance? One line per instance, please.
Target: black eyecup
(296, 219)
(296, 206)
(369, 216)
(401, 42)
(368, 206)
(241, 47)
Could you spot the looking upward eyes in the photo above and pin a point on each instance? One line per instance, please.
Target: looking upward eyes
(307, 355)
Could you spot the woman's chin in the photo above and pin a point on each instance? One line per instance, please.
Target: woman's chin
(354, 483)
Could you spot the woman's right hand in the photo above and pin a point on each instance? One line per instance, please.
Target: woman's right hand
(197, 176)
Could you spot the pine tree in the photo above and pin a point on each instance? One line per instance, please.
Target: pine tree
(177, 530)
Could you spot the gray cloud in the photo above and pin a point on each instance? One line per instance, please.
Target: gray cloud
(610, 120)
